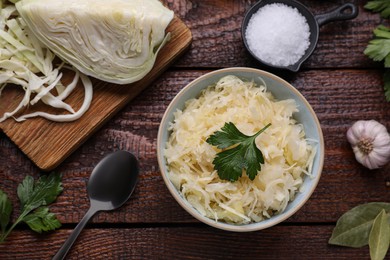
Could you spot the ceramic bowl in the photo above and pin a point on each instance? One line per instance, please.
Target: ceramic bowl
(281, 90)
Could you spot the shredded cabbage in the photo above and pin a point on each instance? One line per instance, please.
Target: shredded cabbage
(24, 61)
(288, 155)
(116, 41)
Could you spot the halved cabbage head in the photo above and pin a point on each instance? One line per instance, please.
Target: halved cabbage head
(115, 41)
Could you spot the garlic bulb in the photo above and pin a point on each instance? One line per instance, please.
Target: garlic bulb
(370, 142)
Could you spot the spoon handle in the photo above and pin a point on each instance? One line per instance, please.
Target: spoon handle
(73, 236)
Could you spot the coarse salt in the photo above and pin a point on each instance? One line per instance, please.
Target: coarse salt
(278, 34)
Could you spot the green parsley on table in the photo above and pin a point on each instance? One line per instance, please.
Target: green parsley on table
(34, 198)
(378, 49)
(244, 153)
(382, 6)
(386, 79)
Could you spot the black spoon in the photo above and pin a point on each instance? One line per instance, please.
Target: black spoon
(112, 182)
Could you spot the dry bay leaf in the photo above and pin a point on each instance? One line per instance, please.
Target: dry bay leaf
(353, 227)
(379, 238)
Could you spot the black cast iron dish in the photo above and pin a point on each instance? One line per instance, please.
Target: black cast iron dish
(344, 12)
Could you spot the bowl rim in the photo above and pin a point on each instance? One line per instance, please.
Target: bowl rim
(222, 225)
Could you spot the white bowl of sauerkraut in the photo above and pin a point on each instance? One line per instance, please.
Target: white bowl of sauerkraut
(292, 148)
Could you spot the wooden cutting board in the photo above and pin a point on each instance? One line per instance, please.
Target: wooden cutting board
(48, 143)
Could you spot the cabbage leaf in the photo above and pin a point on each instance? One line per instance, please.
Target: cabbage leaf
(116, 41)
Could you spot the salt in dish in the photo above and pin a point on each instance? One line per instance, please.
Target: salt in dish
(278, 34)
(284, 18)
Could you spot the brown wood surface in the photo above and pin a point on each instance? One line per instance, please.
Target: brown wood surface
(338, 80)
(48, 143)
(188, 242)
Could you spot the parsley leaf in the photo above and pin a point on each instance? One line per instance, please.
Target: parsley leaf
(44, 192)
(382, 6)
(386, 79)
(230, 163)
(42, 220)
(378, 49)
(5, 211)
(33, 196)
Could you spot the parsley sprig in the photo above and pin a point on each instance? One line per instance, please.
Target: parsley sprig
(34, 198)
(382, 6)
(378, 48)
(242, 153)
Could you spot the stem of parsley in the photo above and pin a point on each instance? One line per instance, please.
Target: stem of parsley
(20, 219)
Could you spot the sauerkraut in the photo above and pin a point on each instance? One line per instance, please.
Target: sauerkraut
(287, 153)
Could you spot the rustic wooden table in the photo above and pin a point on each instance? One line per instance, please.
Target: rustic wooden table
(338, 80)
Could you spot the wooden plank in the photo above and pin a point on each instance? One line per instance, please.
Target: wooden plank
(152, 225)
(200, 242)
(217, 37)
(339, 97)
(47, 143)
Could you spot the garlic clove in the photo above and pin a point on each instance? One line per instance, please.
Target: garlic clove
(358, 131)
(377, 160)
(370, 164)
(359, 156)
(351, 137)
(382, 140)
